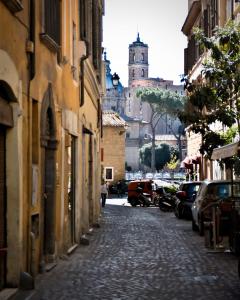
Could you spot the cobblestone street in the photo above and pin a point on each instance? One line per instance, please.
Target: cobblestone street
(141, 253)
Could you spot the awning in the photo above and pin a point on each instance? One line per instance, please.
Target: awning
(225, 151)
(196, 159)
(187, 163)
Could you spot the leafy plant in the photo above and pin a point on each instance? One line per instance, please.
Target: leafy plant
(162, 102)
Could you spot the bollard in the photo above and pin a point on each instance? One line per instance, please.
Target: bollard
(208, 234)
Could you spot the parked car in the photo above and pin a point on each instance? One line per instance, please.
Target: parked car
(220, 192)
(184, 199)
(147, 187)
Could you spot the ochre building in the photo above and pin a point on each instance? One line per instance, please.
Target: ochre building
(50, 129)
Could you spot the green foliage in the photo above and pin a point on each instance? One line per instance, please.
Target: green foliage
(163, 101)
(230, 134)
(163, 153)
(217, 96)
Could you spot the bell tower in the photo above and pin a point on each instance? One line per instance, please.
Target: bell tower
(138, 61)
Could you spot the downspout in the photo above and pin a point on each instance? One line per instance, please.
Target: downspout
(82, 73)
(30, 48)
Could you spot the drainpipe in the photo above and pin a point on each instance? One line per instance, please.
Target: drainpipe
(30, 49)
(82, 73)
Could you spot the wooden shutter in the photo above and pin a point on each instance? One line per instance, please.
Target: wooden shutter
(52, 19)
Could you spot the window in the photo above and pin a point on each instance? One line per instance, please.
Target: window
(134, 57)
(128, 135)
(51, 35)
(82, 19)
(229, 11)
(214, 14)
(133, 73)
(13, 5)
(109, 173)
(143, 73)
(142, 57)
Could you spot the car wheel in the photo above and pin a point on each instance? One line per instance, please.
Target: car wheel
(194, 226)
(200, 226)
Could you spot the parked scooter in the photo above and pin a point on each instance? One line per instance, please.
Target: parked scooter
(143, 199)
(165, 200)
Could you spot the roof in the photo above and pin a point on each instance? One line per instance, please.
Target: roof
(191, 17)
(111, 118)
(138, 42)
(225, 151)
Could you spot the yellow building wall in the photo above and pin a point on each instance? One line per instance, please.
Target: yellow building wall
(113, 143)
(25, 159)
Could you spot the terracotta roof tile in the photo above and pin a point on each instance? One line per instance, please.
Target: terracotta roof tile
(111, 118)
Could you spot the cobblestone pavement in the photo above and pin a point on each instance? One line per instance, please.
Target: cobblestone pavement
(142, 253)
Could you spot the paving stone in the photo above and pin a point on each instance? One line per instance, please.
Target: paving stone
(142, 253)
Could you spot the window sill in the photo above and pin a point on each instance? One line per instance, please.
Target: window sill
(13, 5)
(49, 42)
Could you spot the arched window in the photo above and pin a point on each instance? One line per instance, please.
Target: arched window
(142, 56)
(133, 73)
(143, 73)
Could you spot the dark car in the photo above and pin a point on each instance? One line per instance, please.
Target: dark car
(184, 199)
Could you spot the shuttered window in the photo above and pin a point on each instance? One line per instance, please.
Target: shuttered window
(96, 35)
(214, 15)
(186, 67)
(51, 36)
(52, 19)
(83, 19)
(13, 5)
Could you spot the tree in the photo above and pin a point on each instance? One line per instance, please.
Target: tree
(216, 97)
(161, 102)
(163, 152)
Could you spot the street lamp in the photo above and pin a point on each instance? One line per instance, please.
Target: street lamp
(115, 80)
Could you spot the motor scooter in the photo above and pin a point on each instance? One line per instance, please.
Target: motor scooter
(165, 200)
(143, 199)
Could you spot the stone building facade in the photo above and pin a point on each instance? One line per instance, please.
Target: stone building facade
(50, 129)
(113, 147)
(138, 71)
(207, 15)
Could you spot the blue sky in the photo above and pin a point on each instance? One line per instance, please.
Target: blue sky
(159, 24)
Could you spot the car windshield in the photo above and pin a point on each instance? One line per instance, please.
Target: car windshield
(223, 190)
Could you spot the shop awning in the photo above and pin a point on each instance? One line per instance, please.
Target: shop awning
(225, 151)
(187, 163)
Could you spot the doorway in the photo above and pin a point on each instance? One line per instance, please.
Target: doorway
(3, 208)
(70, 171)
(48, 205)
